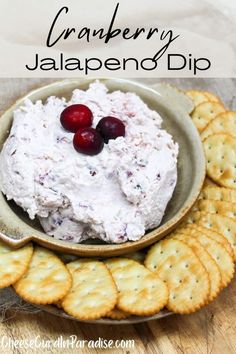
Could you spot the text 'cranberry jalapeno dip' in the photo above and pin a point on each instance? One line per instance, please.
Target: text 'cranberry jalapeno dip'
(98, 166)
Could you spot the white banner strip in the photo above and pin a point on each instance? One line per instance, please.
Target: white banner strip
(117, 38)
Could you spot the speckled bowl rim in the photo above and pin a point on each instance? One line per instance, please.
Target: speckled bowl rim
(109, 249)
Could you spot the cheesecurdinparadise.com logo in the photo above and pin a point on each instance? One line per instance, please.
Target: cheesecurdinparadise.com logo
(162, 49)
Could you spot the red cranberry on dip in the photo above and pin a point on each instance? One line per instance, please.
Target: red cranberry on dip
(88, 141)
(75, 117)
(110, 128)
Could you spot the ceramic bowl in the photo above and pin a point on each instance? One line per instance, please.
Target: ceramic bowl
(16, 229)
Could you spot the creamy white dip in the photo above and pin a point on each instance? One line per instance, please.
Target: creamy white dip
(115, 195)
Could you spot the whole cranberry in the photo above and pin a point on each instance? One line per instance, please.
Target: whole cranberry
(110, 128)
(76, 116)
(88, 141)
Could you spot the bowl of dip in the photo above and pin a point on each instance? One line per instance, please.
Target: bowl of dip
(130, 195)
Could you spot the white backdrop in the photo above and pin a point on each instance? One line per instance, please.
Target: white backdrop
(206, 27)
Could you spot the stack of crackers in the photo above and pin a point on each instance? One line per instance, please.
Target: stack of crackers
(217, 128)
(184, 272)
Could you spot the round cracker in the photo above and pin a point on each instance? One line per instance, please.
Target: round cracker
(224, 123)
(219, 193)
(220, 151)
(207, 260)
(217, 207)
(216, 236)
(218, 252)
(205, 112)
(46, 281)
(211, 96)
(197, 96)
(141, 292)
(117, 314)
(221, 224)
(186, 277)
(93, 293)
(13, 263)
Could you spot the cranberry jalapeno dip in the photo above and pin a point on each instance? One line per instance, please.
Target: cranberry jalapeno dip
(116, 193)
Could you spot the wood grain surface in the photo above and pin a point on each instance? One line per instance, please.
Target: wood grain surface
(211, 330)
